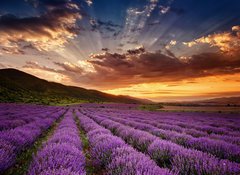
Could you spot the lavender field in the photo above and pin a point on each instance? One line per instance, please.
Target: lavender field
(116, 139)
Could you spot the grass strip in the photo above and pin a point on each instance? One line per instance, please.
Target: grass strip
(90, 168)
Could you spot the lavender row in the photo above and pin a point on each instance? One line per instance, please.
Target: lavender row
(220, 130)
(96, 106)
(207, 119)
(189, 121)
(9, 110)
(6, 109)
(218, 148)
(167, 154)
(62, 154)
(13, 141)
(24, 115)
(114, 155)
(230, 121)
(194, 132)
(23, 120)
(189, 131)
(210, 124)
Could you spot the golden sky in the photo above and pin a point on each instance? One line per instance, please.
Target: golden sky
(200, 88)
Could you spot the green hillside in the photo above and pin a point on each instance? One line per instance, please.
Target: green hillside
(18, 86)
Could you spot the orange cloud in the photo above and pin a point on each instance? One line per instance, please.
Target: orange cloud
(45, 33)
(112, 70)
(228, 42)
(189, 89)
(171, 43)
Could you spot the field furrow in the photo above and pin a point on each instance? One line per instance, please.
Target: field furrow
(167, 154)
(62, 153)
(116, 139)
(14, 141)
(113, 155)
(217, 148)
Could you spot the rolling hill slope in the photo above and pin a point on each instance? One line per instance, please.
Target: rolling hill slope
(18, 86)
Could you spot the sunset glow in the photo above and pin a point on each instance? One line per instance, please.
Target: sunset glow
(201, 88)
(171, 50)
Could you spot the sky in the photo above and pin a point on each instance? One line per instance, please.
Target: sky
(163, 50)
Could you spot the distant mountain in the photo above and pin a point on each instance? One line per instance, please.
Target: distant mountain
(18, 86)
(143, 101)
(223, 101)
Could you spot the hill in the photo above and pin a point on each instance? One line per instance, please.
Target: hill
(223, 101)
(18, 86)
(220, 101)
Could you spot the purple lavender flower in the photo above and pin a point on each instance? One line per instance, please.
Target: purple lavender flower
(62, 153)
(125, 160)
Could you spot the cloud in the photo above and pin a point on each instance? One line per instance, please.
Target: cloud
(228, 42)
(13, 50)
(137, 19)
(35, 65)
(105, 27)
(154, 1)
(108, 24)
(2, 66)
(135, 42)
(168, 8)
(156, 22)
(136, 51)
(171, 43)
(163, 9)
(89, 2)
(46, 32)
(134, 66)
(109, 70)
(141, 66)
(169, 53)
(105, 49)
(69, 67)
(120, 45)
